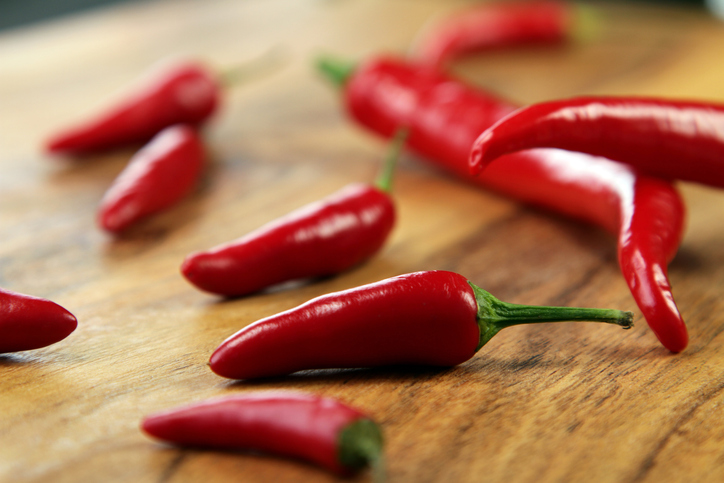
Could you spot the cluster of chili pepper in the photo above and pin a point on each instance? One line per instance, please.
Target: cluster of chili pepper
(660, 139)
(433, 318)
(445, 116)
(353, 224)
(164, 110)
(159, 175)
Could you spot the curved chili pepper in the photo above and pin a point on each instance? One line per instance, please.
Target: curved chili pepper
(28, 322)
(160, 174)
(432, 318)
(184, 93)
(670, 139)
(320, 430)
(445, 116)
(495, 25)
(320, 239)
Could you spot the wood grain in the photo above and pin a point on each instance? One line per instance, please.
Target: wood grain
(553, 403)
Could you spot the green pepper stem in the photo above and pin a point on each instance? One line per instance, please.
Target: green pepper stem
(494, 315)
(360, 444)
(384, 180)
(337, 71)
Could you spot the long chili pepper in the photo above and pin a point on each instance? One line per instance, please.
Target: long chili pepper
(28, 322)
(432, 318)
(320, 239)
(160, 174)
(295, 424)
(494, 25)
(445, 116)
(183, 93)
(671, 139)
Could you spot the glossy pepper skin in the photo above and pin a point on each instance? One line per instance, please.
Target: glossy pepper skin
(293, 424)
(158, 176)
(183, 93)
(445, 116)
(320, 239)
(28, 322)
(667, 138)
(495, 25)
(432, 318)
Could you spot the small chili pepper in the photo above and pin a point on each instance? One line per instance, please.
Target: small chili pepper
(295, 424)
(433, 318)
(495, 25)
(320, 239)
(445, 116)
(184, 93)
(28, 322)
(160, 174)
(666, 138)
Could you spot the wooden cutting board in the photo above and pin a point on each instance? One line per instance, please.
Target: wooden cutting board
(551, 403)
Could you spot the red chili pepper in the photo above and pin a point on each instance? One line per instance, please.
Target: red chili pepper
(320, 430)
(445, 116)
(184, 93)
(28, 322)
(495, 25)
(160, 174)
(432, 318)
(320, 239)
(671, 139)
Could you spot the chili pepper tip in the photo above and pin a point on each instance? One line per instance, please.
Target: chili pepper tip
(478, 159)
(28, 322)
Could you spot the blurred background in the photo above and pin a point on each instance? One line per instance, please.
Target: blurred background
(14, 13)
